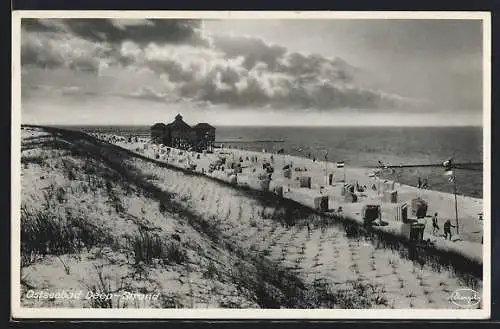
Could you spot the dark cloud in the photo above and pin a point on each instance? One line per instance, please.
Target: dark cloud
(254, 50)
(38, 25)
(52, 51)
(176, 72)
(39, 53)
(107, 30)
(279, 59)
(229, 70)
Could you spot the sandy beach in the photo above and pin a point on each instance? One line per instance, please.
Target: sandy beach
(294, 164)
(468, 242)
(225, 246)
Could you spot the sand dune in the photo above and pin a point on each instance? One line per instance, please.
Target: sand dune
(234, 244)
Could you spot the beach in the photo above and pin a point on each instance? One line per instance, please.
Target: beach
(231, 245)
(470, 226)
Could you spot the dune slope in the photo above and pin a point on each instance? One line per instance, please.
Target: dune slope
(97, 218)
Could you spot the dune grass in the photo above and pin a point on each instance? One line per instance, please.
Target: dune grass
(269, 283)
(150, 246)
(44, 232)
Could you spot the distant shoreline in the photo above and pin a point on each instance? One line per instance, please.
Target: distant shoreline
(260, 126)
(409, 176)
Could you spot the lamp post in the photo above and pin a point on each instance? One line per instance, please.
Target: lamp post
(456, 204)
(449, 166)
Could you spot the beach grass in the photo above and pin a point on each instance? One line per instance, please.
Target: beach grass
(171, 201)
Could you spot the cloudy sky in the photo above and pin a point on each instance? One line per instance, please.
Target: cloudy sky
(252, 72)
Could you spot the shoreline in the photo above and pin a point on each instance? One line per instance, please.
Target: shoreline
(216, 225)
(331, 165)
(469, 186)
(468, 243)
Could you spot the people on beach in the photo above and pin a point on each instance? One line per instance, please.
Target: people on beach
(324, 224)
(447, 229)
(419, 182)
(435, 226)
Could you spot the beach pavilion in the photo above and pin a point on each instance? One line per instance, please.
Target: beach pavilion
(181, 135)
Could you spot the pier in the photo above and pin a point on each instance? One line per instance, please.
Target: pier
(250, 141)
(464, 165)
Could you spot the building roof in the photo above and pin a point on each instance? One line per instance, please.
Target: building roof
(158, 125)
(179, 124)
(203, 125)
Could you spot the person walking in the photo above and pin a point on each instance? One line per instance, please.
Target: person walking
(435, 226)
(447, 229)
(324, 224)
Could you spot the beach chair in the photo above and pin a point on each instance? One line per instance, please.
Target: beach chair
(390, 196)
(419, 208)
(402, 213)
(350, 197)
(305, 181)
(371, 213)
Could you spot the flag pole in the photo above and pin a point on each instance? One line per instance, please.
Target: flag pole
(326, 172)
(326, 169)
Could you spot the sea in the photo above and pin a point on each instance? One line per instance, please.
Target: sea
(363, 146)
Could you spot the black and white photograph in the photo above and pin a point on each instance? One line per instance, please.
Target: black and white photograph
(251, 164)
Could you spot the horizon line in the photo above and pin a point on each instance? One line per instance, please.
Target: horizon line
(266, 126)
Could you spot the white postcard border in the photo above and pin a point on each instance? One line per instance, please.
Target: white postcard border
(19, 312)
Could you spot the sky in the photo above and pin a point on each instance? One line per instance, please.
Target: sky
(343, 72)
